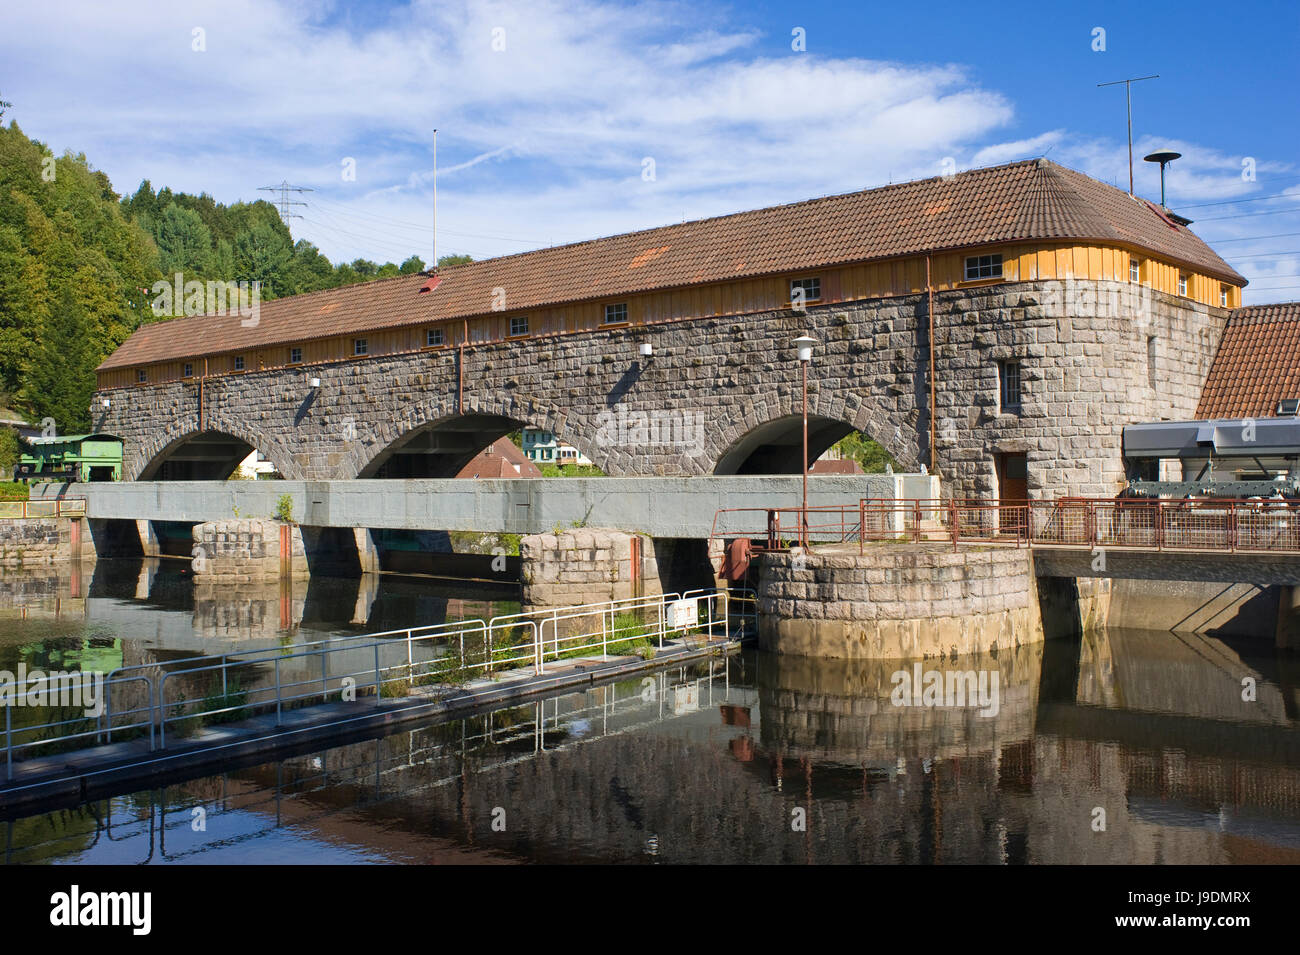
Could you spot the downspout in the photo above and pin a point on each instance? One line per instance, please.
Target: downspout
(460, 370)
(201, 381)
(929, 312)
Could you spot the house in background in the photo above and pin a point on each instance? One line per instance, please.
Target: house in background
(256, 467)
(542, 447)
(500, 459)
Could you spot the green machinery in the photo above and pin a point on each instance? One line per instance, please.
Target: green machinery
(71, 457)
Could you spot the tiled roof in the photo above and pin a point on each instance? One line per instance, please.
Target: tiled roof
(500, 459)
(1033, 199)
(1257, 364)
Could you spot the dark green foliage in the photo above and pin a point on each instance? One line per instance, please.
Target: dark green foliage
(867, 452)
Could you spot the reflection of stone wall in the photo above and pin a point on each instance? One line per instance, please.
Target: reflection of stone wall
(842, 710)
(897, 602)
(251, 611)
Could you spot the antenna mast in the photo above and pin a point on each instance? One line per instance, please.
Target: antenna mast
(435, 201)
(1128, 96)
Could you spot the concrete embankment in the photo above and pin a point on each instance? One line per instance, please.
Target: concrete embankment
(68, 778)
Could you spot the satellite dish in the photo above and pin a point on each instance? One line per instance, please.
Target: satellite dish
(1164, 157)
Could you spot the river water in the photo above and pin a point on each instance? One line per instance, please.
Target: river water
(1120, 747)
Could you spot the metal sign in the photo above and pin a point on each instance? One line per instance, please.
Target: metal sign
(683, 614)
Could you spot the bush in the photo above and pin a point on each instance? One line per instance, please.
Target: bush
(284, 509)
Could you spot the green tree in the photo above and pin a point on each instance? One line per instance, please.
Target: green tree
(867, 452)
(454, 260)
(412, 265)
(184, 243)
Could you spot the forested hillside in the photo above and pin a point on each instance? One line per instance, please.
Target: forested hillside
(78, 263)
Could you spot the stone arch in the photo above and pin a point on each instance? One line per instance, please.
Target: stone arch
(483, 420)
(143, 462)
(755, 444)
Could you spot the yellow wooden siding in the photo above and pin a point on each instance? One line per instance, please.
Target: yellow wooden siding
(1020, 263)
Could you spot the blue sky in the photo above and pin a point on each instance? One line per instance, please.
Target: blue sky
(548, 111)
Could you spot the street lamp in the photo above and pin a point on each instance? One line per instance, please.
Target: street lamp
(645, 349)
(803, 348)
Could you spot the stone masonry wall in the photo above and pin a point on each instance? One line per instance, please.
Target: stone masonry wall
(903, 602)
(584, 565)
(241, 551)
(33, 541)
(1083, 348)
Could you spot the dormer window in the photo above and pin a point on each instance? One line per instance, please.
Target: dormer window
(1288, 407)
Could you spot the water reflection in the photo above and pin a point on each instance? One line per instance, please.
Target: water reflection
(1188, 744)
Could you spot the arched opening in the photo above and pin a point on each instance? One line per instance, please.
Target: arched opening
(777, 446)
(440, 449)
(209, 456)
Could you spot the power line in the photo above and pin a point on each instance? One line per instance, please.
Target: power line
(1255, 238)
(1247, 215)
(1233, 202)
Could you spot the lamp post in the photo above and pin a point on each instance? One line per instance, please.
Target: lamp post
(803, 348)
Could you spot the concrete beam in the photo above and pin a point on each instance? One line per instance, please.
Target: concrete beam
(659, 507)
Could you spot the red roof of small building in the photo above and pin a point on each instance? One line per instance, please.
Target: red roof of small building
(1257, 363)
(500, 459)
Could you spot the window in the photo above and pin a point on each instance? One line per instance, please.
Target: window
(239, 363)
(141, 376)
(1009, 387)
(360, 346)
(615, 313)
(1288, 406)
(1151, 360)
(983, 267)
(433, 338)
(295, 356)
(519, 325)
(812, 289)
(1182, 283)
(1223, 296)
(1134, 270)
(187, 371)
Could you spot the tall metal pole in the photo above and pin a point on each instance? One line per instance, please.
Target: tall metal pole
(1128, 97)
(803, 540)
(434, 265)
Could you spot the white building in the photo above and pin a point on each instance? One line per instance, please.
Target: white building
(542, 447)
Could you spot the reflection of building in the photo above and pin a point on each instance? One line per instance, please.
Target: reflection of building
(500, 459)
(542, 447)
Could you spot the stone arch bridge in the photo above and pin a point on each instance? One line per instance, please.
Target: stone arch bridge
(718, 395)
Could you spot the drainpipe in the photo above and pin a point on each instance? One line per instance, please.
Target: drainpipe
(460, 370)
(201, 381)
(929, 312)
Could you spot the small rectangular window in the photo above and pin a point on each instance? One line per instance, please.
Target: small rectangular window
(1151, 360)
(1134, 270)
(239, 363)
(1288, 407)
(1009, 387)
(615, 313)
(141, 376)
(360, 346)
(295, 356)
(187, 371)
(433, 338)
(811, 287)
(1223, 296)
(983, 267)
(519, 325)
(1182, 284)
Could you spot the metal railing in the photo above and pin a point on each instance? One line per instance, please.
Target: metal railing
(61, 507)
(1209, 525)
(151, 700)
